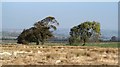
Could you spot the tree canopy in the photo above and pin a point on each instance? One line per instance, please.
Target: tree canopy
(41, 31)
(84, 31)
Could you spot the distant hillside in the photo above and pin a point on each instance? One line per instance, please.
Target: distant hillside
(61, 32)
(107, 34)
(16, 32)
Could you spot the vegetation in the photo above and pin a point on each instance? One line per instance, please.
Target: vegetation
(114, 38)
(101, 44)
(41, 31)
(84, 32)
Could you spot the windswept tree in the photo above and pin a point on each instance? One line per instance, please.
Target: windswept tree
(27, 36)
(84, 31)
(41, 31)
(46, 27)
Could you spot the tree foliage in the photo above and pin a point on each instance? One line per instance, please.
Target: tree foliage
(41, 31)
(84, 31)
(113, 38)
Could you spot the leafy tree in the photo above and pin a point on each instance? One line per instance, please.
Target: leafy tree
(44, 26)
(84, 31)
(41, 31)
(113, 38)
(74, 33)
(27, 36)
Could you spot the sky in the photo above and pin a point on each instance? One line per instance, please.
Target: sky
(22, 15)
(60, 0)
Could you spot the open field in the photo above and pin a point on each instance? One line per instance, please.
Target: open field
(103, 44)
(99, 44)
(50, 55)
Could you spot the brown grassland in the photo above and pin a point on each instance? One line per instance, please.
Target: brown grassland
(57, 55)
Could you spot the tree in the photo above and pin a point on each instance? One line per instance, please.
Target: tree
(84, 31)
(28, 35)
(113, 38)
(44, 26)
(74, 33)
(41, 31)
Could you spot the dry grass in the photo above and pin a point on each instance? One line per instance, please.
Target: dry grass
(36, 54)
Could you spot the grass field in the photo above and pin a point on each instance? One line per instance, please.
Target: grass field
(103, 44)
(99, 44)
(59, 53)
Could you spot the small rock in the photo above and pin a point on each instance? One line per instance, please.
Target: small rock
(58, 61)
(5, 53)
(39, 52)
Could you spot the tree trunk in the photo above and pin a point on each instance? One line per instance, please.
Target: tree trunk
(37, 42)
(84, 42)
(42, 42)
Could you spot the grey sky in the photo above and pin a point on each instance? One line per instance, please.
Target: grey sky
(20, 15)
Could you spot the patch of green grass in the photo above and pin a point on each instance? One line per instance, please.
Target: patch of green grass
(113, 45)
(101, 44)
